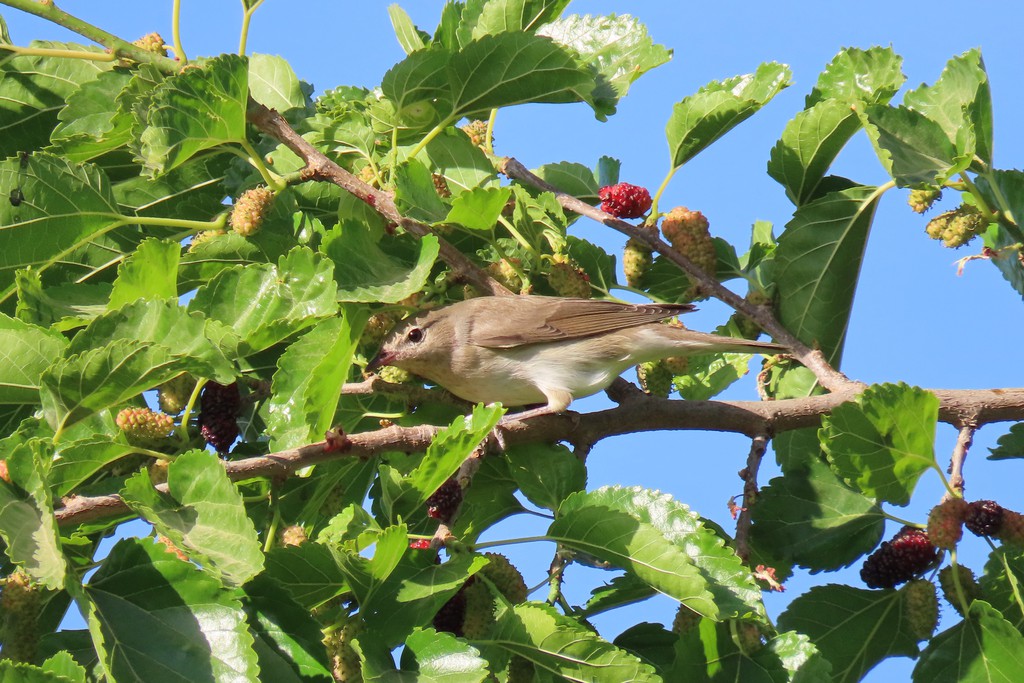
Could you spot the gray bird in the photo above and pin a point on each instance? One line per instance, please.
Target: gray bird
(525, 350)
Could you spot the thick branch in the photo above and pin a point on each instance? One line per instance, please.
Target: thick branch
(320, 167)
(637, 413)
(814, 360)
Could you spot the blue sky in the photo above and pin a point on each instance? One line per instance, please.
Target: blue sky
(914, 320)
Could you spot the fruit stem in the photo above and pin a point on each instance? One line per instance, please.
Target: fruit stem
(275, 522)
(179, 51)
(182, 430)
(254, 158)
(489, 137)
(961, 596)
(434, 132)
(652, 217)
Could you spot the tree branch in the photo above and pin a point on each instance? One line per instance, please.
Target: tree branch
(639, 413)
(758, 446)
(964, 439)
(813, 359)
(320, 167)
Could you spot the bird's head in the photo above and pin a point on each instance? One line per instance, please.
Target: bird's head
(420, 344)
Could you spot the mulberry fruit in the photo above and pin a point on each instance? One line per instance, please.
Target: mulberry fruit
(143, 424)
(445, 501)
(219, 408)
(624, 200)
(945, 523)
(250, 210)
(908, 554)
(984, 517)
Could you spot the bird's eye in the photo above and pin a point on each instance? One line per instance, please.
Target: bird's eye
(415, 335)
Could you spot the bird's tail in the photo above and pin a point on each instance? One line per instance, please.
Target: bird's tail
(691, 343)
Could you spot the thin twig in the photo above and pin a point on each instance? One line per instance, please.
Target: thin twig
(964, 439)
(813, 359)
(320, 167)
(758, 446)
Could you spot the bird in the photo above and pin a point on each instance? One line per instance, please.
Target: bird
(542, 351)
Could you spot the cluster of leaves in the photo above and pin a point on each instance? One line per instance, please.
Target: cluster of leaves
(113, 167)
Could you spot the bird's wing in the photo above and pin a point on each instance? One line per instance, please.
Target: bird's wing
(537, 319)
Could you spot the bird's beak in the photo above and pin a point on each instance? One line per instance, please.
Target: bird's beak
(380, 360)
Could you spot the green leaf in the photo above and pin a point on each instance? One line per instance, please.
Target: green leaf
(625, 589)
(441, 657)
(288, 638)
(999, 187)
(883, 441)
(701, 118)
(27, 524)
(652, 643)
(808, 146)
(598, 264)
(151, 272)
(25, 352)
(399, 591)
(14, 672)
(853, 628)
(193, 190)
(195, 110)
(546, 473)
(409, 37)
(502, 16)
(565, 647)
(76, 461)
(164, 324)
(33, 89)
(273, 83)
(1009, 445)
(490, 72)
(517, 68)
(163, 619)
(446, 452)
(571, 178)
(818, 263)
(308, 572)
(810, 516)
(463, 164)
(1001, 582)
(479, 209)
(78, 386)
(265, 304)
(58, 307)
(366, 272)
(202, 513)
(64, 665)
(913, 148)
(983, 648)
(415, 193)
(663, 543)
(71, 204)
(491, 498)
(617, 48)
(871, 76)
(961, 103)
(710, 653)
(307, 384)
(93, 122)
